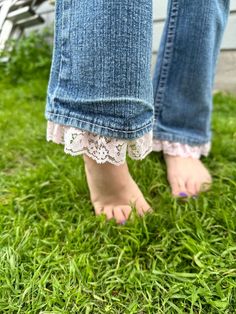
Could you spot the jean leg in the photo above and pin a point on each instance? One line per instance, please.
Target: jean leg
(100, 79)
(185, 69)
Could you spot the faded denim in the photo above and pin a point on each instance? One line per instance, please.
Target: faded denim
(185, 70)
(100, 79)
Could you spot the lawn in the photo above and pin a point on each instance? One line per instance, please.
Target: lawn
(57, 257)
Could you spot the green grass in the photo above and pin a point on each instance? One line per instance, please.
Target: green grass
(57, 257)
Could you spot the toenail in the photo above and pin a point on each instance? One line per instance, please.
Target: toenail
(195, 196)
(183, 194)
(123, 222)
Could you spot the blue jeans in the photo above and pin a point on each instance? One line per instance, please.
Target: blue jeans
(100, 78)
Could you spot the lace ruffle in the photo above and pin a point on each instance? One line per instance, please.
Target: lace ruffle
(100, 148)
(105, 149)
(183, 150)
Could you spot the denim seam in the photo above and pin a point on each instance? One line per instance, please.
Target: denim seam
(167, 55)
(103, 127)
(53, 59)
(62, 46)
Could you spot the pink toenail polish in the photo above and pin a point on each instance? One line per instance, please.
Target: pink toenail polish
(123, 222)
(183, 194)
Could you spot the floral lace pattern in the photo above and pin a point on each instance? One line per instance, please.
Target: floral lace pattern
(105, 149)
(183, 150)
(97, 147)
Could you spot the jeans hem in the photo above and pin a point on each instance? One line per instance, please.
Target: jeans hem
(101, 129)
(180, 139)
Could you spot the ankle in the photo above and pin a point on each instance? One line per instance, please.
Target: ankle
(91, 164)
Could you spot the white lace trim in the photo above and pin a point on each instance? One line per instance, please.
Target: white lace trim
(105, 149)
(100, 148)
(183, 150)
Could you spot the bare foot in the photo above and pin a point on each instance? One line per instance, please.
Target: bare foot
(113, 190)
(187, 176)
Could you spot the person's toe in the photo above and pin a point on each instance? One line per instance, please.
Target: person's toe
(98, 210)
(119, 215)
(145, 208)
(142, 206)
(205, 185)
(126, 209)
(174, 186)
(191, 187)
(178, 187)
(108, 212)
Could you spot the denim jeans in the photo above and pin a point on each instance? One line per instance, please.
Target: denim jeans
(100, 79)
